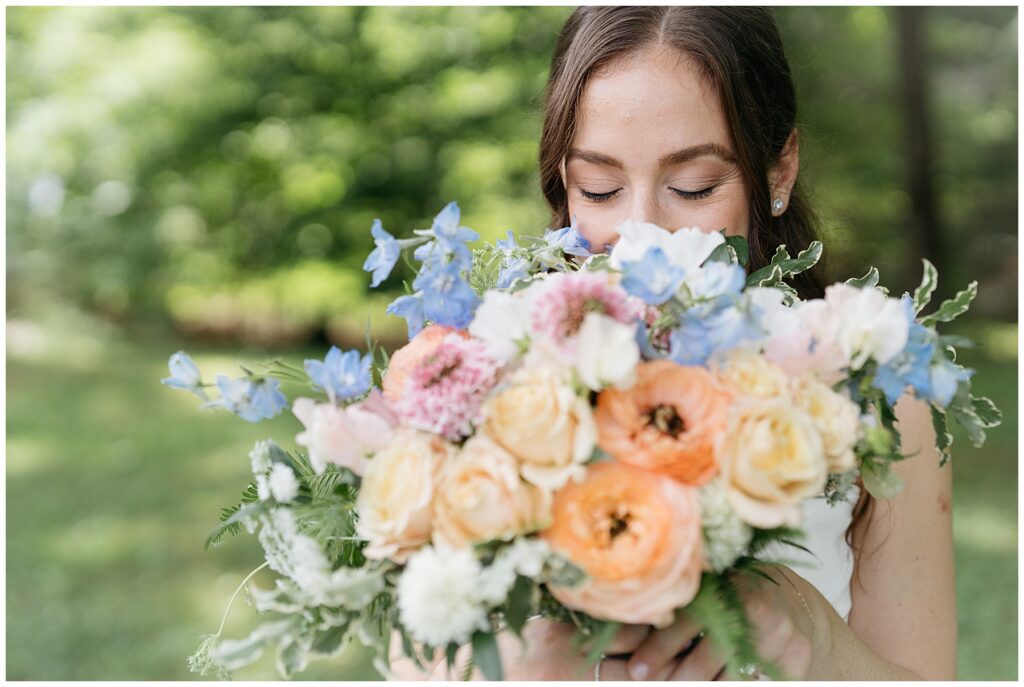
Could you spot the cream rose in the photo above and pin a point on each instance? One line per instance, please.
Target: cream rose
(750, 374)
(480, 497)
(541, 421)
(397, 490)
(771, 458)
(836, 417)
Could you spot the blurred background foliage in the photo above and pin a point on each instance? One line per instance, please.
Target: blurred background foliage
(205, 177)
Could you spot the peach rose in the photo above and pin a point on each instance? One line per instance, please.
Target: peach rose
(406, 358)
(667, 422)
(771, 458)
(396, 493)
(480, 497)
(541, 421)
(637, 536)
(748, 373)
(836, 417)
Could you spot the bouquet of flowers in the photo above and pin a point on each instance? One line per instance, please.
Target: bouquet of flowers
(598, 438)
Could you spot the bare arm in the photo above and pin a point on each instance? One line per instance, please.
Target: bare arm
(904, 593)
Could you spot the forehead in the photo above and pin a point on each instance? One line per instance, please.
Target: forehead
(644, 104)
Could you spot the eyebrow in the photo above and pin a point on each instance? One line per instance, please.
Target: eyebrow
(676, 158)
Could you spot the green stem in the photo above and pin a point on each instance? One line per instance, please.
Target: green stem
(233, 596)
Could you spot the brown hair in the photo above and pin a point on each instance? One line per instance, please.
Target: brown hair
(739, 51)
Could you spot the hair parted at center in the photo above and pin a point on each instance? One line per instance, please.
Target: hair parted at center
(739, 52)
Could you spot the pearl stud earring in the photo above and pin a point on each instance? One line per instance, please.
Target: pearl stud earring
(777, 206)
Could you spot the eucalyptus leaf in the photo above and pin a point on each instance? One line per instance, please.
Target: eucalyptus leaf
(330, 642)
(520, 603)
(954, 307)
(923, 293)
(233, 654)
(943, 438)
(868, 280)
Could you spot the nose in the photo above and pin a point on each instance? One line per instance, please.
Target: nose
(646, 207)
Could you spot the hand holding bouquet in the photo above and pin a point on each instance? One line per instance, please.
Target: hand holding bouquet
(597, 438)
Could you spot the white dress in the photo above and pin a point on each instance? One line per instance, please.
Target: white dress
(831, 568)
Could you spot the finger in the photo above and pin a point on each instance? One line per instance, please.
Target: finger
(703, 663)
(611, 670)
(661, 646)
(773, 630)
(628, 639)
(795, 661)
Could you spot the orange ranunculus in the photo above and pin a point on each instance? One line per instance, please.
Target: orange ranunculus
(406, 358)
(668, 422)
(637, 536)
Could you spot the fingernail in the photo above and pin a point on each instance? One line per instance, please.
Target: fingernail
(638, 670)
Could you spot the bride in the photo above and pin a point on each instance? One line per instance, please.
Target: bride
(685, 116)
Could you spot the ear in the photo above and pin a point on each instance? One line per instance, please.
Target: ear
(561, 170)
(783, 175)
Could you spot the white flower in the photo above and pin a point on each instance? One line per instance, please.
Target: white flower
(687, 248)
(259, 457)
(528, 556)
(282, 483)
(864, 322)
(501, 321)
(726, 536)
(262, 487)
(437, 600)
(606, 353)
(341, 436)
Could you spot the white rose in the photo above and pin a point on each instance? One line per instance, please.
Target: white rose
(395, 497)
(541, 421)
(836, 417)
(606, 353)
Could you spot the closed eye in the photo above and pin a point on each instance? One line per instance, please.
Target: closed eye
(694, 195)
(598, 197)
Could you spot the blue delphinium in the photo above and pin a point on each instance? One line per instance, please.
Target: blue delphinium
(411, 308)
(653, 279)
(449, 239)
(448, 298)
(250, 399)
(945, 376)
(184, 374)
(342, 375)
(383, 258)
(569, 240)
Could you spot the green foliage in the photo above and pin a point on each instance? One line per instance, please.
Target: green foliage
(954, 307)
(718, 609)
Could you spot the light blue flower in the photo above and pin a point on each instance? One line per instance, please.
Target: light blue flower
(511, 271)
(653, 279)
(383, 258)
(911, 366)
(449, 239)
(945, 378)
(342, 375)
(690, 343)
(716, 280)
(184, 374)
(448, 298)
(569, 240)
(250, 399)
(507, 244)
(411, 308)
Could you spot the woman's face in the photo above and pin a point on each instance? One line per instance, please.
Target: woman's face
(652, 145)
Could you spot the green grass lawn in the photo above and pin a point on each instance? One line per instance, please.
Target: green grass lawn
(113, 482)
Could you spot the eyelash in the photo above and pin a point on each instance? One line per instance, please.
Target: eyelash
(688, 195)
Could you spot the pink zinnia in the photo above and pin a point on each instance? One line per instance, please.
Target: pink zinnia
(443, 393)
(565, 300)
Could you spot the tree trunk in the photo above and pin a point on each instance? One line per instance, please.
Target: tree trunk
(924, 233)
